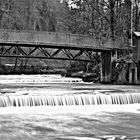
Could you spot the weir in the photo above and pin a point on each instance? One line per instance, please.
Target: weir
(69, 100)
(34, 80)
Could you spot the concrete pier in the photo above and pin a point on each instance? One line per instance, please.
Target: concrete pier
(106, 69)
(133, 75)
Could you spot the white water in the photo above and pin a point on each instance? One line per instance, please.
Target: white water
(85, 110)
(67, 110)
(69, 100)
(5, 79)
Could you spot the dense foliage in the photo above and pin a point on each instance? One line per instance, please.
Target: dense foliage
(103, 19)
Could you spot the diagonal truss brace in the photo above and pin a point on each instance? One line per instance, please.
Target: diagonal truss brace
(42, 52)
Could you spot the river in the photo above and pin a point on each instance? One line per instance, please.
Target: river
(74, 122)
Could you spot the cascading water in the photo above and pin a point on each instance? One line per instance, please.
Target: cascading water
(69, 100)
(54, 107)
(29, 98)
(37, 79)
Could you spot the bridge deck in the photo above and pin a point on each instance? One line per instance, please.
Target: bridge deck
(51, 39)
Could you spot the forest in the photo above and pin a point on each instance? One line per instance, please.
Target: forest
(102, 19)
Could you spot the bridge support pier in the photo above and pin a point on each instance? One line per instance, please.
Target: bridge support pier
(133, 74)
(106, 67)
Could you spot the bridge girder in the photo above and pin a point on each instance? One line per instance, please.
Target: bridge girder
(43, 52)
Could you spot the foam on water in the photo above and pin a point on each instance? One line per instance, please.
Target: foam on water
(110, 137)
(67, 112)
(10, 79)
(86, 110)
(42, 92)
(64, 101)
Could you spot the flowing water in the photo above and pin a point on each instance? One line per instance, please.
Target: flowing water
(51, 107)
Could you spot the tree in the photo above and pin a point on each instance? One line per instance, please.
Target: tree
(105, 19)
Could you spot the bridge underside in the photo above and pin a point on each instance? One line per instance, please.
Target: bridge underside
(61, 53)
(47, 52)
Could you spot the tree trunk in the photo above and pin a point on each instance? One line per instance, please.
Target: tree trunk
(25, 65)
(111, 4)
(137, 17)
(16, 60)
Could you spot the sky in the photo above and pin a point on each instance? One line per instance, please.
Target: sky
(70, 3)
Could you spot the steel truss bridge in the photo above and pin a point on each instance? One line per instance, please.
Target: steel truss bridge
(54, 45)
(50, 45)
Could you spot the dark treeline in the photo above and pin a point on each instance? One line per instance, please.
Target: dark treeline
(103, 19)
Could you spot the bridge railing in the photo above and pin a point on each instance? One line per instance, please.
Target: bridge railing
(53, 39)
